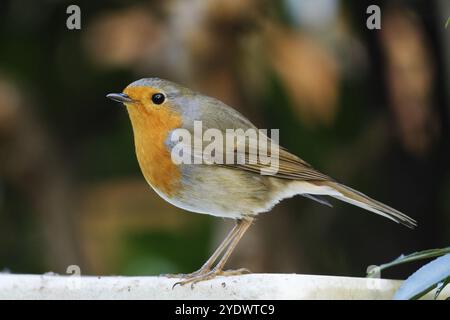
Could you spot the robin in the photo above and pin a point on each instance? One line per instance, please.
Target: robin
(238, 191)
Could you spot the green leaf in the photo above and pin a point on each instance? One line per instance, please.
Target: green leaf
(441, 287)
(425, 279)
(426, 254)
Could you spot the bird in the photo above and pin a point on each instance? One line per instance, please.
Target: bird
(238, 191)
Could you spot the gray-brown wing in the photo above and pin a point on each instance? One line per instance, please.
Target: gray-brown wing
(215, 114)
(290, 167)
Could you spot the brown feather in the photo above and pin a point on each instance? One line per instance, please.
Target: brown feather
(290, 167)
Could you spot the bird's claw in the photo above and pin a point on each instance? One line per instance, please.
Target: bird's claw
(185, 275)
(208, 275)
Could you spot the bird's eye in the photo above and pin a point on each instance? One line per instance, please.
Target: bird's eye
(158, 98)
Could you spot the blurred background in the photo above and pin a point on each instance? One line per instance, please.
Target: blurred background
(368, 107)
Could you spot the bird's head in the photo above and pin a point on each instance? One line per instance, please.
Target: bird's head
(156, 107)
(150, 95)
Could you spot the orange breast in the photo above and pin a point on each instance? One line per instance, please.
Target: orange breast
(151, 127)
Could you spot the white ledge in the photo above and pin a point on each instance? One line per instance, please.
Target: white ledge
(252, 286)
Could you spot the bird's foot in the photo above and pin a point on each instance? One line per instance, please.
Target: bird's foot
(211, 274)
(186, 275)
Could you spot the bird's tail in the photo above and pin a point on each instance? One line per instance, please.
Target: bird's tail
(359, 199)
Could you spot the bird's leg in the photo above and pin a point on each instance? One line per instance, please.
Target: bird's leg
(242, 226)
(206, 267)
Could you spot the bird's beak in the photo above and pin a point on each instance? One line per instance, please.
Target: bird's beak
(119, 97)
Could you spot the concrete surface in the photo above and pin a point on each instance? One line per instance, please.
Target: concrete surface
(251, 286)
